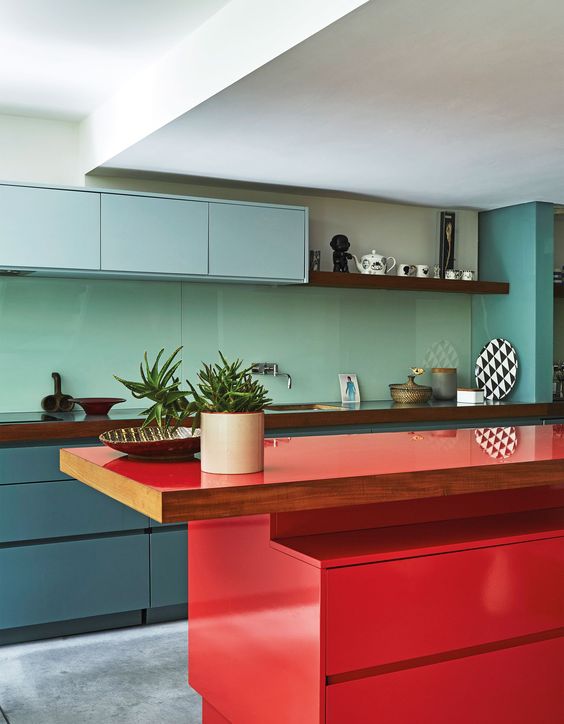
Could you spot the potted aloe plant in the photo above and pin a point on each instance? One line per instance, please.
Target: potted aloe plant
(228, 405)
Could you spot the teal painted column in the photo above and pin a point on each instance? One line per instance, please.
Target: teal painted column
(517, 245)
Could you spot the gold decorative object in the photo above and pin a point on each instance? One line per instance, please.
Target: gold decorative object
(409, 393)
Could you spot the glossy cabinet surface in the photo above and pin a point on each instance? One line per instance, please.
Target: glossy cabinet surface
(257, 242)
(49, 228)
(404, 609)
(73, 579)
(169, 567)
(154, 235)
(518, 685)
(32, 511)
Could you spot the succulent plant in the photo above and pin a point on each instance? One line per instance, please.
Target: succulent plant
(160, 385)
(225, 387)
(221, 387)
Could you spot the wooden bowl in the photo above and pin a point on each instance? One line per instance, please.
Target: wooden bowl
(153, 443)
(97, 405)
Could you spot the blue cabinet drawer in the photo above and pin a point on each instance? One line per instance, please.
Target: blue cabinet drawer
(31, 464)
(257, 242)
(154, 235)
(169, 567)
(49, 228)
(73, 579)
(66, 508)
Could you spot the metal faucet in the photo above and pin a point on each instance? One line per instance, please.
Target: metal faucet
(270, 368)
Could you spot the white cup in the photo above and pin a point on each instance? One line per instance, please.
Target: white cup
(468, 275)
(406, 270)
(422, 270)
(450, 274)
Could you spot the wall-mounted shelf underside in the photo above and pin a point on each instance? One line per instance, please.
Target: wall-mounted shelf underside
(407, 284)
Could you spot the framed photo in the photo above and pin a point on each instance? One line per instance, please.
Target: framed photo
(446, 242)
(350, 392)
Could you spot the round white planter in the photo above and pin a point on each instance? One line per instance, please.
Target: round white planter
(232, 442)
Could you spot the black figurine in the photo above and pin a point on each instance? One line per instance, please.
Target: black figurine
(340, 245)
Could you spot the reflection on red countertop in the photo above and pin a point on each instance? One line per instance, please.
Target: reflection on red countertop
(334, 456)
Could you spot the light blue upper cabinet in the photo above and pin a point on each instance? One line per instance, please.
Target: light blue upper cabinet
(49, 228)
(257, 242)
(154, 235)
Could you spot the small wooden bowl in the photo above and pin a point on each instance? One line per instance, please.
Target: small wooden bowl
(153, 443)
(97, 405)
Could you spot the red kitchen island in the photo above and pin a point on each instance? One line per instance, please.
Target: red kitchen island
(413, 578)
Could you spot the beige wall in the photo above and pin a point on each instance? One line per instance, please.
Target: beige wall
(37, 150)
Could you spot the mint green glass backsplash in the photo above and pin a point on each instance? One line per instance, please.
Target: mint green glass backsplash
(90, 329)
(313, 334)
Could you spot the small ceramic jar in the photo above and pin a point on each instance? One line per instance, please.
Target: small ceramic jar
(443, 383)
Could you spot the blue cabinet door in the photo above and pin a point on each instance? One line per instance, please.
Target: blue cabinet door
(49, 228)
(154, 235)
(32, 511)
(257, 242)
(73, 579)
(169, 567)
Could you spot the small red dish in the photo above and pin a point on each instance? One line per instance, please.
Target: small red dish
(97, 405)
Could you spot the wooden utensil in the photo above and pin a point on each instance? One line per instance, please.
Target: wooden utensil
(57, 402)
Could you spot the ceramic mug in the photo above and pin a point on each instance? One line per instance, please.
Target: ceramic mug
(450, 274)
(468, 275)
(422, 270)
(406, 270)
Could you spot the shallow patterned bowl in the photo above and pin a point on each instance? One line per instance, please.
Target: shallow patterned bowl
(150, 442)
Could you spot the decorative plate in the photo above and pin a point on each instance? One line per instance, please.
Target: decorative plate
(150, 442)
(497, 442)
(496, 369)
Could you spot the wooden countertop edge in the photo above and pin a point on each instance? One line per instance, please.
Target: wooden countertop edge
(41, 431)
(207, 503)
(141, 498)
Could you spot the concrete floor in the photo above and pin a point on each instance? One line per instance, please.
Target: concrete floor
(130, 676)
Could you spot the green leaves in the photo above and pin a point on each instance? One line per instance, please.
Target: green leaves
(226, 387)
(160, 385)
(221, 387)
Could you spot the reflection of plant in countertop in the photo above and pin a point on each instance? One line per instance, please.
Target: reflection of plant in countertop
(226, 387)
(222, 387)
(162, 387)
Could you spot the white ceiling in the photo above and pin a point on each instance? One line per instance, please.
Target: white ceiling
(437, 102)
(62, 58)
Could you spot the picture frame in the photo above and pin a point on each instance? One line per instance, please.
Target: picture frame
(350, 391)
(446, 241)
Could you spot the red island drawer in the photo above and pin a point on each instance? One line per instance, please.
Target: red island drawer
(521, 685)
(396, 610)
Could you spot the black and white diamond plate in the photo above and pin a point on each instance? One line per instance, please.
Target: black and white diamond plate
(497, 442)
(496, 369)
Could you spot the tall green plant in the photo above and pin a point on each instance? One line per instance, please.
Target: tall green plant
(160, 385)
(225, 387)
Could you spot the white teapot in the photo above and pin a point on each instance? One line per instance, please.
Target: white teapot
(374, 263)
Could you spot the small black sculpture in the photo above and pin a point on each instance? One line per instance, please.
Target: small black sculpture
(340, 245)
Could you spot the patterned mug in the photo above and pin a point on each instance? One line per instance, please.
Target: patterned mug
(468, 275)
(406, 270)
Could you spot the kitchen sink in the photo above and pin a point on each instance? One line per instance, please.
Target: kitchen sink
(311, 407)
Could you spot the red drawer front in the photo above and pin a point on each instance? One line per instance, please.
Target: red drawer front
(386, 612)
(521, 685)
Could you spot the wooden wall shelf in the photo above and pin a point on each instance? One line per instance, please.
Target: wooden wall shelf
(406, 284)
(559, 290)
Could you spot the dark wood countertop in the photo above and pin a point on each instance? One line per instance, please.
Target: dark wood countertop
(379, 412)
(326, 472)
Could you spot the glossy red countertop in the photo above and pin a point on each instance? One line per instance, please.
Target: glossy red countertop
(333, 456)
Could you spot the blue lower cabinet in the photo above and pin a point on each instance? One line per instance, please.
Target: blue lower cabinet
(32, 511)
(169, 567)
(73, 579)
